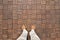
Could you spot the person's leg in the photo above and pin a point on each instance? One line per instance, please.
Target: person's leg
(33, 34)
(24, 34)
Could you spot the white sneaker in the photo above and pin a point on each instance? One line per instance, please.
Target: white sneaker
(23, 36)
(33, 35)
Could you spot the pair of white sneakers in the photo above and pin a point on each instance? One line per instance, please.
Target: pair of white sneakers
(32, 34)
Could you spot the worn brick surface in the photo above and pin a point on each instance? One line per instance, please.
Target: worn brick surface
(44, 14)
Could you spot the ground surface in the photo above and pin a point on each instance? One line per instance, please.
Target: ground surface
(44, 14)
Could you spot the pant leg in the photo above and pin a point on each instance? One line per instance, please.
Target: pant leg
(23, 36)
(33, 35)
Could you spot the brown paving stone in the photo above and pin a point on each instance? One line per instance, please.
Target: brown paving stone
(5, 1)
(1, 1)
(1, 39)
(1, 6)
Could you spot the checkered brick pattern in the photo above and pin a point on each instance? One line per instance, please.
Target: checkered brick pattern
(45, 14)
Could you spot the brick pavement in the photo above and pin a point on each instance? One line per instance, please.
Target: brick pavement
(45, 14)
